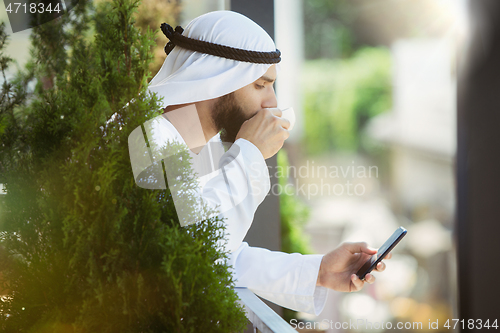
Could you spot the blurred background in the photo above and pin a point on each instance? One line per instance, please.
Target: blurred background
(373, 84)
(376, 95)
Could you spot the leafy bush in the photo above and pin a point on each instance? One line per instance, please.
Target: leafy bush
(83, 248)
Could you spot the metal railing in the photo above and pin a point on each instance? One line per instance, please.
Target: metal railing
(262, 317)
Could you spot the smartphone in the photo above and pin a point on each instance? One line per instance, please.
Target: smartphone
(381, 253)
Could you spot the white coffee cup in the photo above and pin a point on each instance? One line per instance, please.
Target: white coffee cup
(289, 115)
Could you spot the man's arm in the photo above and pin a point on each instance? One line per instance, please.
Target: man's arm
(297, 281)
(288, 280)
(240, 186)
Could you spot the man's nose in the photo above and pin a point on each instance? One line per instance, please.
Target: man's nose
(270, 99)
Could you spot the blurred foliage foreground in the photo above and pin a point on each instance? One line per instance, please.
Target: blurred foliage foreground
(341, 95)
(83, 248)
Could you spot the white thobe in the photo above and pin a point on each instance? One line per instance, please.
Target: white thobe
(236, 186)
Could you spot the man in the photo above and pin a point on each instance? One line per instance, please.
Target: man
(217, 85)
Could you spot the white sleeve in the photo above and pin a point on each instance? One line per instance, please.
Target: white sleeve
(288, 280)
(239, 187)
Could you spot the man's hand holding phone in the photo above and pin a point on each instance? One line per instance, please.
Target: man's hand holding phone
(338, 267)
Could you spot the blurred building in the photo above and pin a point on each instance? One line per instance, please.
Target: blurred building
(420, 130)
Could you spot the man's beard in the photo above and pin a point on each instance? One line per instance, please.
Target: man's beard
(228, 117)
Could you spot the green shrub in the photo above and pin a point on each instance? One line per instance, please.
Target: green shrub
(83, 248)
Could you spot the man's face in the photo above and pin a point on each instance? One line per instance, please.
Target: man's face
(232, 110)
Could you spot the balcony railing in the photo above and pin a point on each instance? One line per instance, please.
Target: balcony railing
(262, 317)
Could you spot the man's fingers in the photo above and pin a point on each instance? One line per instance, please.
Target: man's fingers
(286, 134)
(380, 267)
(360, 247)
(266, 130)
(369, 278)
(285, 123)
(389, 256)
(358, 284)
(275, 111)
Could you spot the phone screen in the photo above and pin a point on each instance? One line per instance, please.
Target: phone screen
(381, 253)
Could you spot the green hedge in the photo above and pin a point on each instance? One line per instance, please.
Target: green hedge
(82, 247)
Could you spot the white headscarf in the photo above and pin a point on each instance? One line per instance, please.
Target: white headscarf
(188, 76)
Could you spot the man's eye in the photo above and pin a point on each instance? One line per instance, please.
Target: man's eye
(259, 86)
